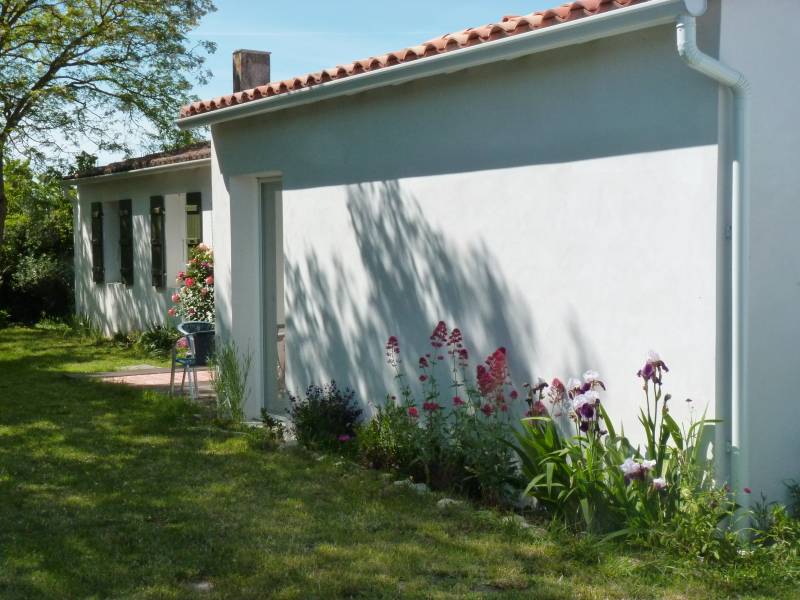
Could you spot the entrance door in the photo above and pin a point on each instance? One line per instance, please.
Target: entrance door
(272, 306)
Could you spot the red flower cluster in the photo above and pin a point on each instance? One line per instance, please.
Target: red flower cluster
(439, 335)
(431, 406)
(493, 376)
(413, 412)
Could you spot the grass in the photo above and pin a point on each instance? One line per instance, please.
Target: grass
(108, 492)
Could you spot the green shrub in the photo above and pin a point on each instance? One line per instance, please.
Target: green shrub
(389, 441)
(229, 373)
(5, 318)
(158, 341)
(326, 418)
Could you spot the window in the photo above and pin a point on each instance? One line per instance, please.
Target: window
(158, 250)
(126, 242)
(194, 221)
(98, 272)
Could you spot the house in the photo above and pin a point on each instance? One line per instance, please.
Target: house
(134, 224)
(579, 185)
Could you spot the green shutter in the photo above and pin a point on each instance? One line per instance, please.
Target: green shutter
(194, 221)
(126, 242)
(98, 272)
(158, 242)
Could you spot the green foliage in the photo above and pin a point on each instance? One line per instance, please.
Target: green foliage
(167, 500)
(269, 435)
(587, 475)
(157, 341)
(102, 72)
(455, 439)
(36, 260)
(390, 441)
(195, 299)
(326, 418)
(229, 373)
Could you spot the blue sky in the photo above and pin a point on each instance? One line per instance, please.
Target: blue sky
(309, 35)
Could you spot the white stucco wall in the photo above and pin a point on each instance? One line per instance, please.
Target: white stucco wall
(562, 205)
(111, 305)
(766, 53)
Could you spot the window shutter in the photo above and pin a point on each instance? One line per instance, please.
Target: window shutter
(126, 242)
(158, 250)
(98, 272)
(194, 221)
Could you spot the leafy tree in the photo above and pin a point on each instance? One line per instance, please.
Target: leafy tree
(36, 259)
(94, 70)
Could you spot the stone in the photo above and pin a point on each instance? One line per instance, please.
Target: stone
(517, 520)
(449, 503)
(201, 586)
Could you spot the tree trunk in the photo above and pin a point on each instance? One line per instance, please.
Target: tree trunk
(3, 203)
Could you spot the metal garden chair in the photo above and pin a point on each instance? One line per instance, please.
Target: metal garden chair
(200, 338)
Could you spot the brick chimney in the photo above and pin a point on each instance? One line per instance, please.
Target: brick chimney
(250, 69)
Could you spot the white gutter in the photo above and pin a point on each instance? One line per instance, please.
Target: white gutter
(178, 166)
(740, 236)
(615, 22)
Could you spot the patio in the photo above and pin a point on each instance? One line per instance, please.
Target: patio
(148, 377)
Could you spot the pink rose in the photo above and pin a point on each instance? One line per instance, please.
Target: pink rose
(176, 297)
(210, 280)
(181, 274)
(171, 312)
(182, 343)
(189, 282)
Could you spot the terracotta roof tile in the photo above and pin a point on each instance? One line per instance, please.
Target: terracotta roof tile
(197, 151)
(508, 26)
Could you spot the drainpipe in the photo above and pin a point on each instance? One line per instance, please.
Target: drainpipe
(740, 211)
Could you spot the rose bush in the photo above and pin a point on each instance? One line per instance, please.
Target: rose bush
(194, 300)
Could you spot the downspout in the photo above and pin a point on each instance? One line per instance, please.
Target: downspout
(740, 210)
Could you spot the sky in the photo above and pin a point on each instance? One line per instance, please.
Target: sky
(309, 35)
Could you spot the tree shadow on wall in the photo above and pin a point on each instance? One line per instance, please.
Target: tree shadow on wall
(417, 274)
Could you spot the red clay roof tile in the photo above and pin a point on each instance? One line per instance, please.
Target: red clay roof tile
(198, 151)
(508, 26)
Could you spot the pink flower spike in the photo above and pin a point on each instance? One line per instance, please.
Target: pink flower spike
(457, 401)
(344, 438)
(423, 378)
(747, 490)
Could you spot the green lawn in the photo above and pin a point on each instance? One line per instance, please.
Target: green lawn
(107, 492)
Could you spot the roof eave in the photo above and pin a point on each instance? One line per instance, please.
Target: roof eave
(177, 166)
(624, 20)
